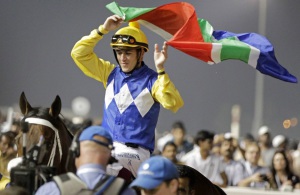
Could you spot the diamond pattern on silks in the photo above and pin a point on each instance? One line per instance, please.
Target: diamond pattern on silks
(109, 94)
(123, 99)
(144, 102)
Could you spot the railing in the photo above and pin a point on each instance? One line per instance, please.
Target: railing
(252, 191)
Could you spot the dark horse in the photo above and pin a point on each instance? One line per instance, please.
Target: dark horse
(47, 124)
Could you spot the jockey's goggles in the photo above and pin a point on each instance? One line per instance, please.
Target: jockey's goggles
(126, 39)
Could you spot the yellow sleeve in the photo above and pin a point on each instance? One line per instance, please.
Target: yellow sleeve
(165, 92)
(85, 58)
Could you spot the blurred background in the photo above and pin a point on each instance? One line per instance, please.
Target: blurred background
(36, 39)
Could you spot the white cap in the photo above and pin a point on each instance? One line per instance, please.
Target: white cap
(228, 136)
(263, 130)
(277, 140)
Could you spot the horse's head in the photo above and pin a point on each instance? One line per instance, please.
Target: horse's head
(45, 123)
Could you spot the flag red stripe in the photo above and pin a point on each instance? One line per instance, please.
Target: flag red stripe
(180, 20)
(170, 17)
(199, 50)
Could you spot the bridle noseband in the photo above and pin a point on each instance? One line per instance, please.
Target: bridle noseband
(39, 121)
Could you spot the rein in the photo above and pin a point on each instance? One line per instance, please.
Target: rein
(39, 121)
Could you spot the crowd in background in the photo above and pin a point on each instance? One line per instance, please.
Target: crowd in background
(262, 162)
(265, 161)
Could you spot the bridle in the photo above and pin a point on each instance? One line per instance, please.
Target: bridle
(39, 121)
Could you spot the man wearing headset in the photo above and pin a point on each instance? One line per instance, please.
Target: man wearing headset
(92, 151)
(134, 92)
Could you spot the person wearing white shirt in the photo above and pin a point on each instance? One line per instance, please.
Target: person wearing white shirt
(227, 151)
(204, 161)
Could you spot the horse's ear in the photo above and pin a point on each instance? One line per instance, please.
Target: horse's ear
(25, 107)
(55, 107)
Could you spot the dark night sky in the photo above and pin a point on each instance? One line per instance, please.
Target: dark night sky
(36, 38)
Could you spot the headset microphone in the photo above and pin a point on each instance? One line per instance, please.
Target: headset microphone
(74, 149)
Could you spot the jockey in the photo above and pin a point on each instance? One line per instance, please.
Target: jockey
(134, 92)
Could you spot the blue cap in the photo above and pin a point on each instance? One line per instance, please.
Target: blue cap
(90, 132)
(153, 172)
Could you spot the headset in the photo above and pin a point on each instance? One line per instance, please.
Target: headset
(75, 145)
(74, 149)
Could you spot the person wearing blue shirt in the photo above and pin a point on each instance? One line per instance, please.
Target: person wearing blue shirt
(133, 91)
(93, 155)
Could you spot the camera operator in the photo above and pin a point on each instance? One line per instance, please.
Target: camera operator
(92, 151)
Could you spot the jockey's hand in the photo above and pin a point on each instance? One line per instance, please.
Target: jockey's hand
(160, 57)
(113, 22)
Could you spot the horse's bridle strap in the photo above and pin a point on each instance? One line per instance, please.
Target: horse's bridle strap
(39, 121)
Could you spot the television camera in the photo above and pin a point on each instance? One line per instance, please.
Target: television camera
(28, 174)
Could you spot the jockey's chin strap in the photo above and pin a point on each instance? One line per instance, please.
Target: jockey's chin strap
(39, 121)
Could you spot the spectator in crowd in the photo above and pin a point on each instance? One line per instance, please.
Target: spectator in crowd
(282, 176)
(204, 161)
(265, 144)
(178, 136)
(280, 142)
(134, 92)
(240, 152)
(217, 142)
(169, 151)
(296, 160)
(227, 151)
(157, 176)
(187, 180)
(7, 153)
(249, 173)
(92, 149)
(190, 154)
(192, 182)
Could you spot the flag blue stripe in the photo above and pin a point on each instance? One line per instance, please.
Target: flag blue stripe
(267, 62)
